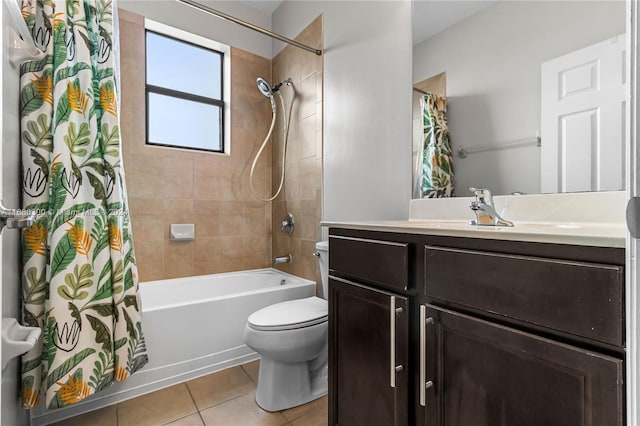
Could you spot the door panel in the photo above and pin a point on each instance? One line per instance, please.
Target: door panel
(583, 112)
(361, 344)
(491, 375)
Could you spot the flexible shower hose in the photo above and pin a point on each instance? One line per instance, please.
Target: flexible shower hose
(285, 123)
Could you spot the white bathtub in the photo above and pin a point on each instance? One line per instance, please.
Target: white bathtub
(193, 326)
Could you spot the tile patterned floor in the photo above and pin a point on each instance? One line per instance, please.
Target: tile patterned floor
(225, 398)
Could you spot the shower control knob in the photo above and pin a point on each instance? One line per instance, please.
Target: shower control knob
(288, 223)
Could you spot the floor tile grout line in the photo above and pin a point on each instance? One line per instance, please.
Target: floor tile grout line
(305, 412)
(195, 404)
(224, 402)
(179, 418)
(247, 373)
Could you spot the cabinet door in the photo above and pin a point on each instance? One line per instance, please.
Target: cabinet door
(368, 347)
(484, 374)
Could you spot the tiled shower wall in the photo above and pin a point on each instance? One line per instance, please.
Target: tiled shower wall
(302, 194)
(166, 185)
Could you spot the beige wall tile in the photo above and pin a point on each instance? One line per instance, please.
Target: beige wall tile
(147, 207)
(306, 92)
(142, 184)
(177, 176)
(230, 218)
(206, 260)
(291, 182)
(233, 230)
(149, 259)
(309, 184)
(256, 252)
(125, 15)
(307, 137)
(167, 185)
(148, 228)
(218, 254)
(179, 210)
(303, 182)
(178, 258)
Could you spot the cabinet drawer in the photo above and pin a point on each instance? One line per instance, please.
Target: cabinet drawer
(578, 298)
(373, 261)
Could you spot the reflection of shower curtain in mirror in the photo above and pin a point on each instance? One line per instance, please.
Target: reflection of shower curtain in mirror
(437, 161)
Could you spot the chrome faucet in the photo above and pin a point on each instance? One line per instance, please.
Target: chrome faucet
(484, 209)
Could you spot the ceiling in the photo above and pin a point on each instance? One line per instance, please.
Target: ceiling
(268, 6)
(432, 16)
(429, 16)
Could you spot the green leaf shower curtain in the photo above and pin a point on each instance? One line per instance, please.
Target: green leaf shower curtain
(437, 160)
(80, 280)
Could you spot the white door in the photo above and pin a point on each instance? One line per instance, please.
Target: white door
(583, 119)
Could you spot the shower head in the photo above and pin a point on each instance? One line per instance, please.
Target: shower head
(266, 90)
(264, 87)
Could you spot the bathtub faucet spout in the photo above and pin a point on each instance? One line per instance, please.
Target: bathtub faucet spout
(282, 259)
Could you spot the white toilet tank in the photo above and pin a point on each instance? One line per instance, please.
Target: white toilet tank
(323, 250)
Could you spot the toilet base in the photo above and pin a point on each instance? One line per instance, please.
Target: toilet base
(285, 385)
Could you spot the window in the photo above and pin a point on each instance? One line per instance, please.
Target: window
(186, 90)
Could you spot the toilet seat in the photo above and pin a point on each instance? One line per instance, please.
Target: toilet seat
(290, 315)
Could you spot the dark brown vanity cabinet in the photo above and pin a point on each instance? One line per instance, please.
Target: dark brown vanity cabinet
(368, 333)
(522, 337)
(444, 331)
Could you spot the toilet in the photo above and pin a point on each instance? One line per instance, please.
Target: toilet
(291, 338)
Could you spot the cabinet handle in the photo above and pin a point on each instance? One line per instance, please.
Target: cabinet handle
(392, 321)
(424, 384)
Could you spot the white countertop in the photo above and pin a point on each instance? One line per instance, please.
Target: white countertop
(585, 234)
(589, 219)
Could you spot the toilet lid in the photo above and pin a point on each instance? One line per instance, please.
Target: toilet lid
(290, 314)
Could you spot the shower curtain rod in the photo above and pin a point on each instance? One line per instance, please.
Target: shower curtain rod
(245, 24)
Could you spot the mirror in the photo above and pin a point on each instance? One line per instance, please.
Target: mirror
(487, 58)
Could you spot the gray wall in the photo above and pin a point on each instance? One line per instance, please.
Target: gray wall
(367, 104)
(492, 61)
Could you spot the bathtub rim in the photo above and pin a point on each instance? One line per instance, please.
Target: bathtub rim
(296, 281)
